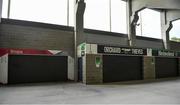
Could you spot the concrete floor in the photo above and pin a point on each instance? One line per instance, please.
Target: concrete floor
(156, 92)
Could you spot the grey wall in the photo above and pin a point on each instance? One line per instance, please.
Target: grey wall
(149, 43)
(106, 39)
(16, 36)
(175, 46)
(121, 40)
(54, 38)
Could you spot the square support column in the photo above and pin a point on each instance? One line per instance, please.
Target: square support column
(132, 21)
(149, 68)
(79, 36)
(93, 71)
(166, 26)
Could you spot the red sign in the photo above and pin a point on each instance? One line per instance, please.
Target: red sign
(4, 51)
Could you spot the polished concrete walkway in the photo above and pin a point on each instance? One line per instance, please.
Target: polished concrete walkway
(158, 92)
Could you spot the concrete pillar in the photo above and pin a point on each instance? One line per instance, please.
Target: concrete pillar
(79, 36)
(166, 26)
(1, 4)
(93, 74)
(132, 21)
(79, 22)
(149, 68)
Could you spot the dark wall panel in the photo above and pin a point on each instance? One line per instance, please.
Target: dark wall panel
(29, 69)
(166, 67)
(121, 68)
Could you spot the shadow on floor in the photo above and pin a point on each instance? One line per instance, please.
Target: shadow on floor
(137, 82)
(37, 84)
(143, 81)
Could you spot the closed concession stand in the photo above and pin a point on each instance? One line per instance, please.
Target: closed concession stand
(166, 63)
(36, 68)
(118, 68)
(166, 67)
(41, 66)
(104, 63)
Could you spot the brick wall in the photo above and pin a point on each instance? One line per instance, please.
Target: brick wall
(175, 46)
(149, 68)
(92, 74)
(55, 38)
(16, 36)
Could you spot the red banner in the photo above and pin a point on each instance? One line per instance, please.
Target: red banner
(4, 51)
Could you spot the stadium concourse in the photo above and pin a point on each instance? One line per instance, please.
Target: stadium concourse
(89, 51)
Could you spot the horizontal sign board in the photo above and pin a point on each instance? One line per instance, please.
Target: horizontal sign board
(104, 49)
(121, 50)
(164, 53)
